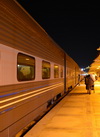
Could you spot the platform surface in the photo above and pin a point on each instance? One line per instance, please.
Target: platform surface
(77, 115)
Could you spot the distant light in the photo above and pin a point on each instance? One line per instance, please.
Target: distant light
(98, 48)
(56, 66)
(27, 59)
(82, 69)
(98, 67)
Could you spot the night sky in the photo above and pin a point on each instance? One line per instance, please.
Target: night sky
(73, 26)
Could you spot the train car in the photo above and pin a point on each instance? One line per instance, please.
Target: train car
(34, 70)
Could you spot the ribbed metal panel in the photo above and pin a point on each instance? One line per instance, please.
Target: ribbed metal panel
(16, 87)
(20, 31)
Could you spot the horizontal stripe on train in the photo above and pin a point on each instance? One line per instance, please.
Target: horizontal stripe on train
(10, 94)
(36, 92)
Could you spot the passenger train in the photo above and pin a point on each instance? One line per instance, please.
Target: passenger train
(34, 70)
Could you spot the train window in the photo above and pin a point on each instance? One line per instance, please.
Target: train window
(56, 71)
(25, 67)
(61, 72)
(45, 70)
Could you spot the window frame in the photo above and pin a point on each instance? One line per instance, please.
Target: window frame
(32, 77)
(56, 72)
(47, 76)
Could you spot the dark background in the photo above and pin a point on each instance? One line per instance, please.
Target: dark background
(73, 26)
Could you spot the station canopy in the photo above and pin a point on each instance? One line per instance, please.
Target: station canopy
(95, 66)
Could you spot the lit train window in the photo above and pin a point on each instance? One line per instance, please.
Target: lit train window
(45, 70)
(61, 72)
(25, 67)
(56, 71)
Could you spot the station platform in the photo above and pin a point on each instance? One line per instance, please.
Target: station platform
(77, 115)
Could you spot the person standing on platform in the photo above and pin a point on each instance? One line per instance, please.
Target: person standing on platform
(89, 81)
